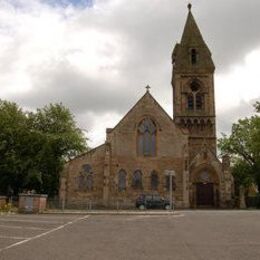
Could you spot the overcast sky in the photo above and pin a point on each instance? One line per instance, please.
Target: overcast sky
(96, 57)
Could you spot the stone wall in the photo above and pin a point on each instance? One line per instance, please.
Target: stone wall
(170, 142)
(70, 190)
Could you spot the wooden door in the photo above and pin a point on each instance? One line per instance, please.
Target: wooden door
(205, 194)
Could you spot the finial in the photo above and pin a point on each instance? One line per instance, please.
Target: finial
(147, 88)
(189, 6)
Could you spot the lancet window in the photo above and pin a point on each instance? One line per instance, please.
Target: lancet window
(137, 182)
(122, 180)
(146, 143)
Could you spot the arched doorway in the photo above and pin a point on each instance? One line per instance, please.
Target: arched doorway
(205, 194)
(205, 188)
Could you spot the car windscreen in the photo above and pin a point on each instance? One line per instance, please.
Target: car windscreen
(148, 197)
(156, 198)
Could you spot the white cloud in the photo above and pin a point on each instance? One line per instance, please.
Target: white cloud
(241, 83)
(97, 134)
(98, 60)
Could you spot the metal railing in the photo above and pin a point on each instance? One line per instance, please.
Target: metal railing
(88, 205)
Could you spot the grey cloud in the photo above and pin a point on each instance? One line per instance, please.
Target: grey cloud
(63, 83)
(228, 117)
(147, 32)
(151, 28)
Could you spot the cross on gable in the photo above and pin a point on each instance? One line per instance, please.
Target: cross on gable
(147, 88)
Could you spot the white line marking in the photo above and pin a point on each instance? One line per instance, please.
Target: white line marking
(29, 216)
(45, 233)
(154, 216)
(22, 227)
(31, 221)
(19, 238)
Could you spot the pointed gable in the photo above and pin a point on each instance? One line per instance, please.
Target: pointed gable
(123, 137)
(147, 104)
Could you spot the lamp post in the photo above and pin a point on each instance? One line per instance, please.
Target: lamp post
(171, 174)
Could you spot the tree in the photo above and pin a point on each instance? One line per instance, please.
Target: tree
(13, 129)
(244, 146)
(63, 141)
(257, 106)
(35, 146)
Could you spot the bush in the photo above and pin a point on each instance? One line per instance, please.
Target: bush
(253, 202)
(6, 207)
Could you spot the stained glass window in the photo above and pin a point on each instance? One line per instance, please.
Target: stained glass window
(147, 138)
(199, 101)
(121, 180)
(84, 181)
(137, 180)
(89, 182)
(190, 102)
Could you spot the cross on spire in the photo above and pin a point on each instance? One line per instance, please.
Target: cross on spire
(147, 88)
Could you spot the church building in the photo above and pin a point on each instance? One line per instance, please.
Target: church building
(147, 143)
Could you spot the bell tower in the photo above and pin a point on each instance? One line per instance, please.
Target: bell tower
(193, 87)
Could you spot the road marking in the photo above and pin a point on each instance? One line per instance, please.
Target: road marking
(22, 227)
(31, 221)
(41, 217)
(45, 233)
(18, 238)
(154, 216)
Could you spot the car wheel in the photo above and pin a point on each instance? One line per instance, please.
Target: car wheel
(167, 207)
(142, 207)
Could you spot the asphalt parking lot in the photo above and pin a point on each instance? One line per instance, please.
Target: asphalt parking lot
(184, 235)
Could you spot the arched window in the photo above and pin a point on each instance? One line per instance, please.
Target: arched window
(195, 100)
(121, 180)
(199, 101)
(194, 56)
(84, 181)
(190, 103)
(86, 168)
(146, 143)
(154, 180)
(137, 180)
(81, 182)
(89, 182)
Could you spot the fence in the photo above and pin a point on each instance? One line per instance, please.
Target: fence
(93, 204)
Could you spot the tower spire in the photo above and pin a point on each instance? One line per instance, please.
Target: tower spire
(192, 53)
(191, 33)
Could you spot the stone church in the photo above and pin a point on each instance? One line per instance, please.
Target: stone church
(147, 143)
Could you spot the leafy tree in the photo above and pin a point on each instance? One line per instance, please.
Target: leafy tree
(34, 147)
(13, 134)
(63, 141)
(257, 106)
(244, 146)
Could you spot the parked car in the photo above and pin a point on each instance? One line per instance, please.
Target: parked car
(152, 201)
